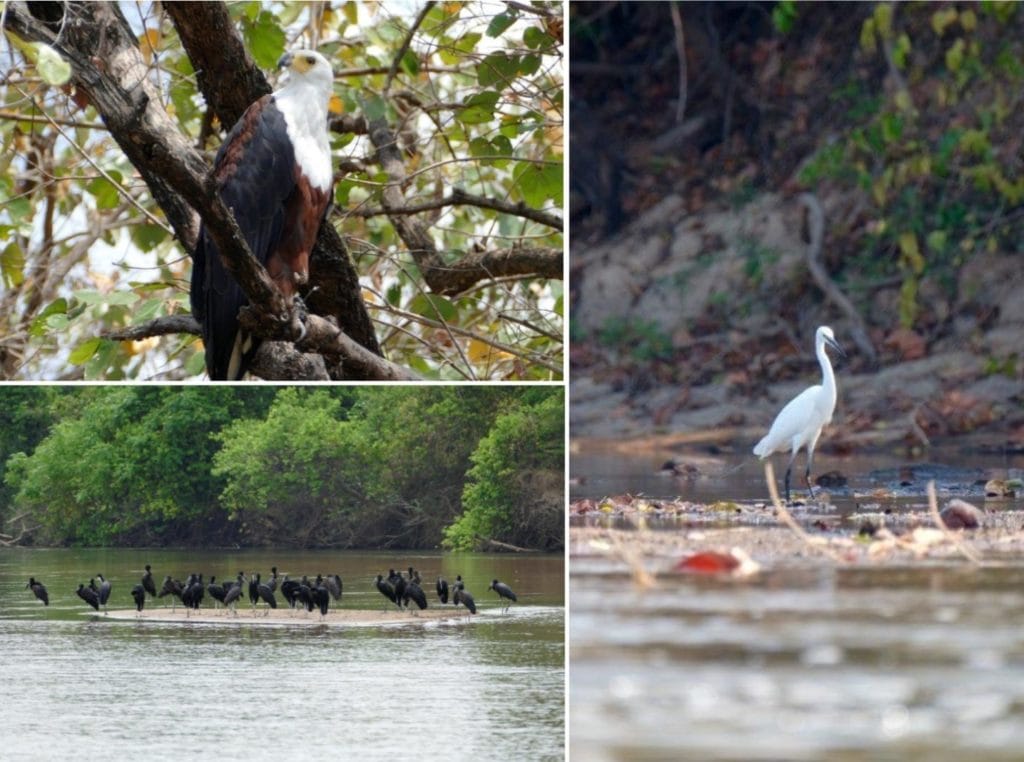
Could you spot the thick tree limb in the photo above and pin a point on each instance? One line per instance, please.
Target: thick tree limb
(161, 326)
(485, 265)
(227, 76)
(277, 360)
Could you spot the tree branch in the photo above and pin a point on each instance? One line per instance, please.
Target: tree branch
(485, 265)
(161, 326)
(397, 60)
(460, 197)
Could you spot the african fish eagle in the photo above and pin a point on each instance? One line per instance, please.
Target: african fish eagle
(274, 172)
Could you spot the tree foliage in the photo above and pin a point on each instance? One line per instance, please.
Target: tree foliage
(288, 466)
(447, 137)
(514, 492)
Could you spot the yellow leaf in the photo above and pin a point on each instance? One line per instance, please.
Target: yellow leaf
(911, 252)
(943, 18)
(335, 105)
(968, 20)
(478, 352)
(867, 36)
(149, 43)
(883, 19)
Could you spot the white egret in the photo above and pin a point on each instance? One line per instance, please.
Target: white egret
(800, 422)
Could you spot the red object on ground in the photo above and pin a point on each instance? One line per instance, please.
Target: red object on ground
(708, 562)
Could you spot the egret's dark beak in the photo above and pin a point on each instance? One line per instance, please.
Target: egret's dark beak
(835, 345)
(285, 60)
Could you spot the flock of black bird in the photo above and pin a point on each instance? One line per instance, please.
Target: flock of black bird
(305, 594)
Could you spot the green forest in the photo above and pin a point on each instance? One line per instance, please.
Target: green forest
(476, 468)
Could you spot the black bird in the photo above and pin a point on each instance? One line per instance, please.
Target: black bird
(147, 582)
(399, 583)
(38, 590)
(461, 596)
(171, 587)
(217, 592)
(442, 589)
(104, 592)
(272, 582)
(415, 593)
(458, 584)
(304, 594)
(254, 590)
(385, 588)
(503, 591)
(139, 594)
(234, 592)
(414, 576)
(266, 594)
(89, 595)
(193, 593)
(288, 589)
(321, 599)
(334, 586)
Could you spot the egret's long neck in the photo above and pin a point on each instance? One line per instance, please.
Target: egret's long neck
(828, 378)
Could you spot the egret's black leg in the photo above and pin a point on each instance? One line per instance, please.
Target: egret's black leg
(807, 474)
(789, 470)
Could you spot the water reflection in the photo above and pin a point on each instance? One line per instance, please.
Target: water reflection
(799, 663)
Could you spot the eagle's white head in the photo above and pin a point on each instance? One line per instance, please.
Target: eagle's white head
(307, 67)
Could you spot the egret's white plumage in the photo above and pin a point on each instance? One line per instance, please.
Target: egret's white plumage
(800, 422)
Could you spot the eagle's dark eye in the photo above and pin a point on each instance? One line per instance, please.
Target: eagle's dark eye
(310, 60)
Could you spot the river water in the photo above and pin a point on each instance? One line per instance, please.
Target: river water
(806, 660)
(80, 686)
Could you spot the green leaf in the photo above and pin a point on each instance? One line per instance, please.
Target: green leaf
(88, 296)
(18, 208)
(394, 294)
(51, 66)
(539, 182)
(104, 191)
(351, 12)
(529, 65)
(497, 68)
(12, 263)
(534, 38)
(84, 351)
(373, 107)
(410, 63)
(56, 307)
(148, 236)
(265, 39)
(104, 358)
(196, 364)
(434, 307)
(148, 310)
(121, 298)
(474, 115)
(480, 147)
(487, 99)
(500, 23)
